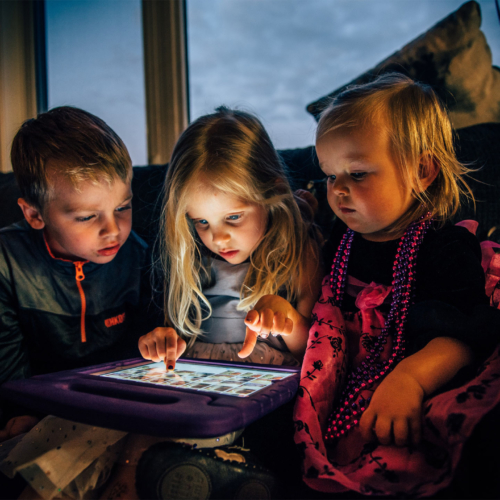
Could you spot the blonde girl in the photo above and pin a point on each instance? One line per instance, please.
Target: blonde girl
(403, 311)
(232, 239)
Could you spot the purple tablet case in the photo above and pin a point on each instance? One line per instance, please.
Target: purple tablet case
(146, 409)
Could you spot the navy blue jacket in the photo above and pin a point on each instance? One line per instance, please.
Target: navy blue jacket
(51, 321)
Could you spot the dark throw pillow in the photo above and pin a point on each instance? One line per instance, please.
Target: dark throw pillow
(455, 59)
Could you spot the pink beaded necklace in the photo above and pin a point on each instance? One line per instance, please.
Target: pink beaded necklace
(347, 414)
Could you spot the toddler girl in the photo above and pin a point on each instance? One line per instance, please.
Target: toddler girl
(232, 237)
(403, 311)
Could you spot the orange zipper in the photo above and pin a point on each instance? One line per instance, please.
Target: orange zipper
(79, 278)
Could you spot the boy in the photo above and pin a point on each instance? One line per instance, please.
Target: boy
(72, 284)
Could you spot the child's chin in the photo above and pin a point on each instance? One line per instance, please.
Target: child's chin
(103, 259)
(238, 259)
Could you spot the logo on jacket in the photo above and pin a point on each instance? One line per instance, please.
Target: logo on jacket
(116, 320)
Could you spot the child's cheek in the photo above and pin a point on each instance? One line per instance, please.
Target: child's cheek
(331, 197)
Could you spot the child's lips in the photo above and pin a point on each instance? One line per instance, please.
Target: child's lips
(228, 254)
(346, 210)
(111, 250)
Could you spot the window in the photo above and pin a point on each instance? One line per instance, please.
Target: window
(95, 62)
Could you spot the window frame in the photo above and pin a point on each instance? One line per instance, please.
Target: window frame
(23, 87)
(18, 93)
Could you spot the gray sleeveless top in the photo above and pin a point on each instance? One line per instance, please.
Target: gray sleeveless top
(226, 324)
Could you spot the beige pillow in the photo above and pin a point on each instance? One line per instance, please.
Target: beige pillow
(452, 56)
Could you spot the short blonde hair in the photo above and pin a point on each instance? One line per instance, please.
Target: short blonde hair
(231, 152)
(72, 142)
(418, 124)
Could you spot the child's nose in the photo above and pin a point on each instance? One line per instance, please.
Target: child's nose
(110, 227)
(340, 188)
(220, 237)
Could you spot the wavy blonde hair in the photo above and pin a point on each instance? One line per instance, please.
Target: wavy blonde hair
(230, 150)
(418, 124)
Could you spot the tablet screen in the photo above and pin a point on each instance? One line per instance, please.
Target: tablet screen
(233, 381)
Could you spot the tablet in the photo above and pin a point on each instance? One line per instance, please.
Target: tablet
(204, 377)
(199, 399)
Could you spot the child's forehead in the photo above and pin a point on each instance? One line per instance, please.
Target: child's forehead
(209, 199)
(373, 124)
(73, 180)
(87, 194)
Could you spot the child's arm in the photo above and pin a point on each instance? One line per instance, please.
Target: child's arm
(18, 425)
(162, 344)
(14, 361)
(275, 314)
(395, 411)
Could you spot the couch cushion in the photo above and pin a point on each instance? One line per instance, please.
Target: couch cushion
(147, 186)
(479, 147)
(9, 193)
(452, 56)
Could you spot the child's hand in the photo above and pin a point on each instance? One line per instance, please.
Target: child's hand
(18, 425)
(162, 344)
(310, 200)
(395, 411)
(269, 317)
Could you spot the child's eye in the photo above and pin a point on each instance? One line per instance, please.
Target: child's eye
(234, 217)
(331, 178)
(85, 219)
(358, 175)
(123, 209)
(201, 222)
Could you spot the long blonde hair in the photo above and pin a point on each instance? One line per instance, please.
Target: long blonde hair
(230, 150)
(418, 124)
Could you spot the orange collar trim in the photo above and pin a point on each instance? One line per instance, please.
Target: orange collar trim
(60, 258)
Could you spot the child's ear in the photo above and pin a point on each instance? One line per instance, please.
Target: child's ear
(428, 169)
(31, 214)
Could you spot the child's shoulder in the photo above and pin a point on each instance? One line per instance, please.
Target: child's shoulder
(135, 253)
(449, 266)
(135, 241)
(18, 238)
(451, 240)
(15, 230)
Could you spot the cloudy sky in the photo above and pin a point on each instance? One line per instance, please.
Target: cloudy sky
(270, 57)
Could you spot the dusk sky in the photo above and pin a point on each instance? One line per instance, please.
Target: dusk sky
(270, 57)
